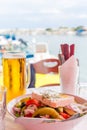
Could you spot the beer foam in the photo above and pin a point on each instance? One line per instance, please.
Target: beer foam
(14, 55)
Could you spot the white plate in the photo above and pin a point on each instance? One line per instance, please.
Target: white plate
(41, 123)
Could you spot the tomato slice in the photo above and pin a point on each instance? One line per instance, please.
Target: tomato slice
(28, 115)
(65, 115)
(33, 101)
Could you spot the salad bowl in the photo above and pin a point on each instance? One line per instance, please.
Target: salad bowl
(44, 123)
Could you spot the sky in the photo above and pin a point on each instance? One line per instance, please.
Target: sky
(42, 13)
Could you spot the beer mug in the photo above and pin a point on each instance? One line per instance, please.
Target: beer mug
(15, 74)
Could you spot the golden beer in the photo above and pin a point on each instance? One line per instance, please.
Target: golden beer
(14, 74)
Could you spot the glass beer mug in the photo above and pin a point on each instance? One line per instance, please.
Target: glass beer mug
(15, 74)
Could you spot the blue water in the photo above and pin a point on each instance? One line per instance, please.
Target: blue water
(54, 42)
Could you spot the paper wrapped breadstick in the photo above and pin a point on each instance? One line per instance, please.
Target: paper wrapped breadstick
(72, 49)
(67, 50)
(69, 75)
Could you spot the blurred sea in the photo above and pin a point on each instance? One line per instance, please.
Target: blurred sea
(54, 42)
